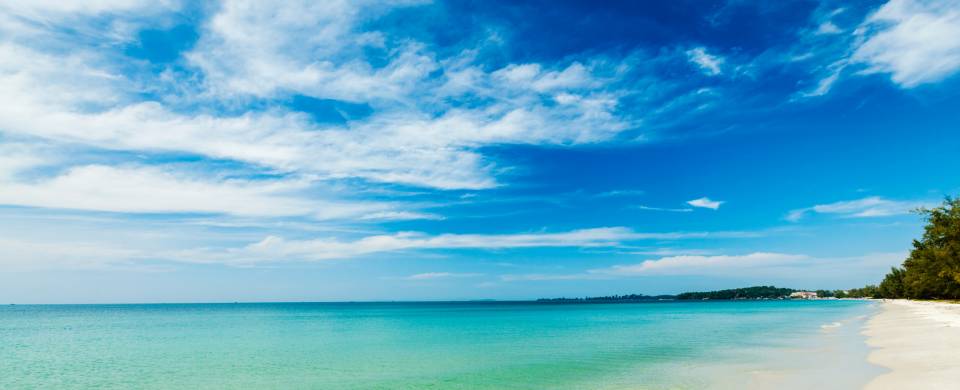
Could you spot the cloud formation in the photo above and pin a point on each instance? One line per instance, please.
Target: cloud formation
(275, 248)
(228, 124)
(705, 203)
(912, 40)
(431, 111)
(763, 267)
(686, 265)
(709, 64)
(672, 210)
(868, 207)
(82, 127)
(151, 190)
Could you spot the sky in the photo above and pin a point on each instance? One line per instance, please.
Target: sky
(167, 151)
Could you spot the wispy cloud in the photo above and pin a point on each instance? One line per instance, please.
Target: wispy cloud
(419, 133)
(912, 40)
(154, 190)
(826, 83)
(25, 254)
(759, 266)
(873, 206)
(674, 265)
(672, 210)
(708, 63)
(706, 203)
(86, 127)
(401, 215)
(275, 248)
(908, 39)
(617, 193)
(828, 28)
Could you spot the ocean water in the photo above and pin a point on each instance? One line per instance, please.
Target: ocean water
(449, 345)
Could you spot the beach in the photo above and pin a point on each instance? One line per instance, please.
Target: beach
(918, 342)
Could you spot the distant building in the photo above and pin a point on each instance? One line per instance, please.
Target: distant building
(803, 295)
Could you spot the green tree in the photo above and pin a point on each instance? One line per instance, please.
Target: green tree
(756, 292)
(892, 285)
(868, 291)
(933, 269)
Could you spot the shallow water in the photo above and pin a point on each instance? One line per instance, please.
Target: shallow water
(495, 345)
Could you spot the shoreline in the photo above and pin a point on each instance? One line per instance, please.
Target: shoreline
(831, 355)
(917, 342)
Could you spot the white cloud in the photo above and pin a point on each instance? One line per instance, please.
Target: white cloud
(828, 28)
(275, 248)
(642, 207)
(913, 40)
(616, 193)
(705, 203)
(873, 206)
(413, 137)
(313, 48)
(824, 85)
(18, 157)
(709, 64)
(94, 25)
(534, 77)
(153, 190)
(22, 254)
(699, 265)
(796, 270)
(401, 215)
(46, 8)
(399, 148)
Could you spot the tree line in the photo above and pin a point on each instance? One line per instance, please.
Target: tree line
(932, 271)
(757, 292)
(868, 291)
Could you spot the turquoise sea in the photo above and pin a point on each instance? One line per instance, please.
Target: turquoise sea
(436, 345)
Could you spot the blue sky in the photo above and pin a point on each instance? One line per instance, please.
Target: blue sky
(247, 151)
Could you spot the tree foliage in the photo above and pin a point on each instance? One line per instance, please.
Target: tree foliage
(892, 285)
(932, 271)
(758, 292)
(868, 291)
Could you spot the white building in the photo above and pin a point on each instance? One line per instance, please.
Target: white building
(803, 295)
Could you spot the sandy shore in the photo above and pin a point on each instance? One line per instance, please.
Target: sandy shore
(919, 342)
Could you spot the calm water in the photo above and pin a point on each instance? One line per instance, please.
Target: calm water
(430, 345)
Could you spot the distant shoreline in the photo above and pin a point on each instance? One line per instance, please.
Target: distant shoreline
(755, 293)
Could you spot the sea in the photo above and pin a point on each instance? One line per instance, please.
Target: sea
(437, 345)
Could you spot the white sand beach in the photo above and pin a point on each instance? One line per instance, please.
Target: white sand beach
(919, 342)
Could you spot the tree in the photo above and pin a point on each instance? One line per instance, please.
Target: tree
(892, 285)
(868, 291)
(933, 268)
(756, 292)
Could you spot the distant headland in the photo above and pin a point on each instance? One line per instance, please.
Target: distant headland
(756, 292)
